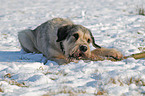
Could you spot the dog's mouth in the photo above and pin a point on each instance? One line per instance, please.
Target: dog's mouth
(78, 55)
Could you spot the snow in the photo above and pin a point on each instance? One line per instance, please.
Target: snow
(114, 24)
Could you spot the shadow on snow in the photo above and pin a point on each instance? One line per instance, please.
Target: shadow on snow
(17, 56)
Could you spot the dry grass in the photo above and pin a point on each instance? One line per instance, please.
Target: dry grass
(101, 93)
(141, 49)
(113, 81)
(74, 92)
(61, 73)
(8, 75)
(1, 90)
(141, 10)
(65, 90)
(136, 81)
(7, 78)
(13, 82)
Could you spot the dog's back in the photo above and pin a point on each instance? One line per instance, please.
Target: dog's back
(41, 38)
(27, 39)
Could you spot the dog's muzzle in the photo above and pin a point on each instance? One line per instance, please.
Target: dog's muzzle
(80, 53)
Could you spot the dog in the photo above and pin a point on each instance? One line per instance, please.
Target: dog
(62, 41)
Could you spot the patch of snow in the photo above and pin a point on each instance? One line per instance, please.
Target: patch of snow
(114, 24)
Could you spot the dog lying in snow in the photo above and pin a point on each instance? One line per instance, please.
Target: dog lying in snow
(63, 41)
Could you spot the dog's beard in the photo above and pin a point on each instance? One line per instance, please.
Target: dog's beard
(76, 54)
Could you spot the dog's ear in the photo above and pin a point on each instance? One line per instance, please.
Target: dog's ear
(62, 33)
(93, 40)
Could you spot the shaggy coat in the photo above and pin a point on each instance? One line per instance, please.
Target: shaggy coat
(62, 41)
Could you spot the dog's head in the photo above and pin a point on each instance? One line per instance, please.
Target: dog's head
(76, 40)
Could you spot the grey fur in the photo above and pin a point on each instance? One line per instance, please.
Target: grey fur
(43, 38)
(46, 39)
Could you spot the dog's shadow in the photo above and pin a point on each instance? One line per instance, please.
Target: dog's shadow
(17, 56)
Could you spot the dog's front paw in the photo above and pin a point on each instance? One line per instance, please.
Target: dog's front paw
(113, 53)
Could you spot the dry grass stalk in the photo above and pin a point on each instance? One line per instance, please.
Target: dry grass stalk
(56, 73)
(1, 90)
(141, 11)
(70, 92)
(12, 82)
(136, 81)
(100, 93)
(137, 55)
(8, 75)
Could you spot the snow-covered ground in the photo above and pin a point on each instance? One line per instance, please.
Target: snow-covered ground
(114, 24)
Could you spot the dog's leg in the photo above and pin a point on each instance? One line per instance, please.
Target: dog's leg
(106, 52)
(25, 38)
(59, 61)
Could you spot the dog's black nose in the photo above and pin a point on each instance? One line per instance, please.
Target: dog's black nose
(83, 48)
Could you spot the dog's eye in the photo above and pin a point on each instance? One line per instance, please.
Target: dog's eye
(76, 35)
(88, 40)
